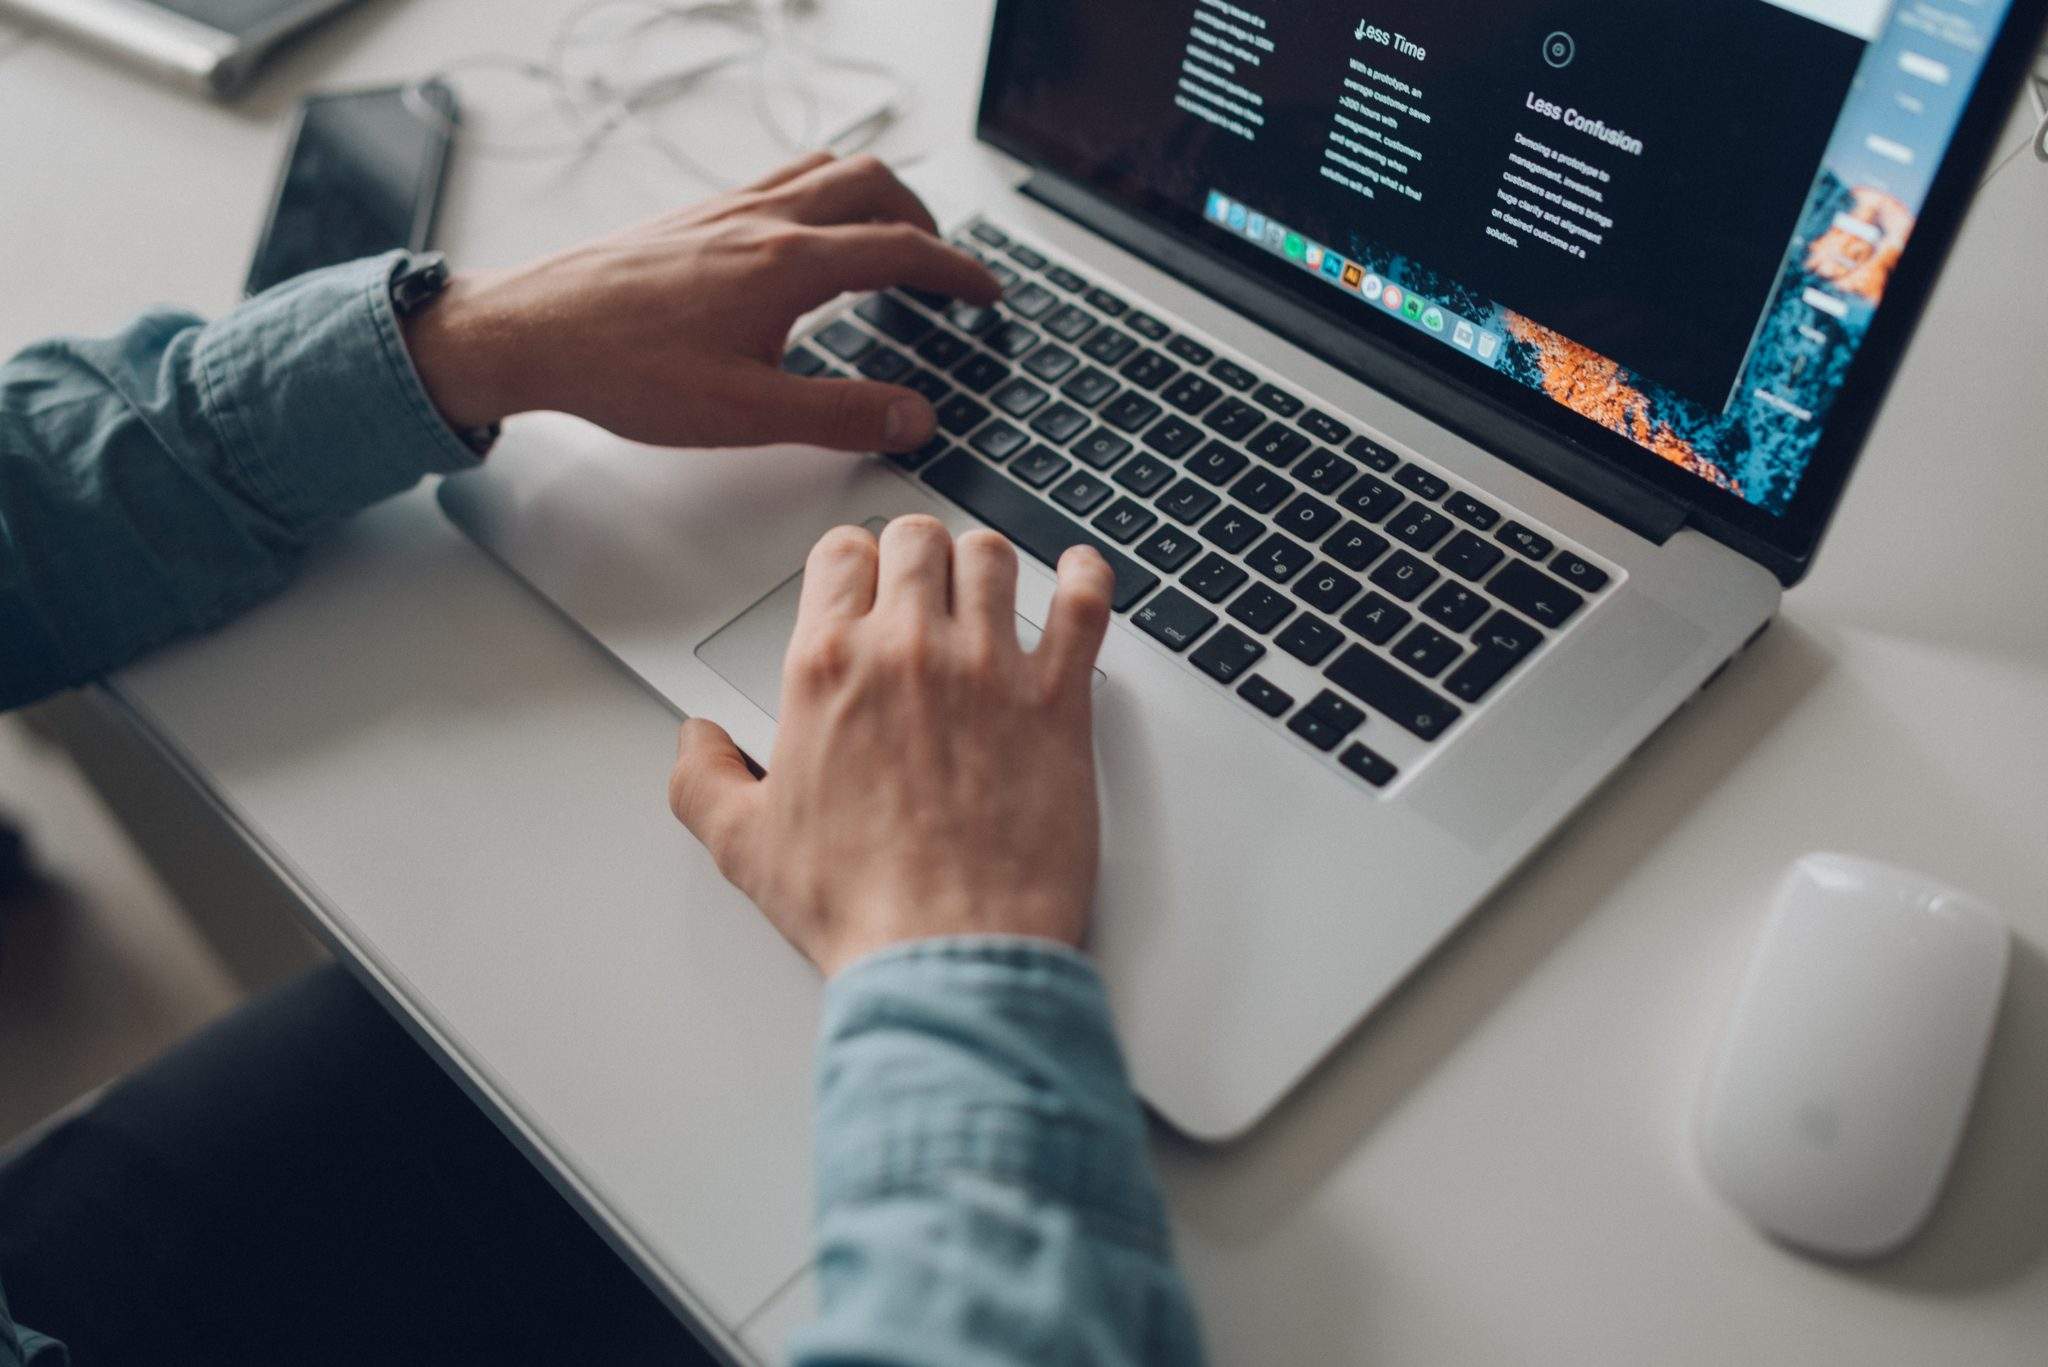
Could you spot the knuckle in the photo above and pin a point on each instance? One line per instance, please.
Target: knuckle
(993, 548)
(821, 659)
(844, 545)
(906, 647)
(919, 526)
(867, 166)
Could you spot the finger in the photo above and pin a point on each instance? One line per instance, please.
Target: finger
(839, 578)
(985, 586)
(711, 790)
(846, 415)
(783, 175)
(877, 256)
(855, 190)
(1078, 618)
(916, 570)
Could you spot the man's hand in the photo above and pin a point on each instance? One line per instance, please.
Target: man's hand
(929, 776)
(672, 332)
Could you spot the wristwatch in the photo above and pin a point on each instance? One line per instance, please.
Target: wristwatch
(418, 283)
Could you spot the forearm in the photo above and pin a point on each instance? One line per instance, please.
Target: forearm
(983, 1187)
(155, 482)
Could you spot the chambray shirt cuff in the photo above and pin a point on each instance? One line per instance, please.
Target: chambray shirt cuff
(990, 1057)
(317, 398)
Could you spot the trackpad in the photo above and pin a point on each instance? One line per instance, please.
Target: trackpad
(747, 651)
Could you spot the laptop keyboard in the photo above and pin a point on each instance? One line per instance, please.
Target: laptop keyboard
(1251, 533)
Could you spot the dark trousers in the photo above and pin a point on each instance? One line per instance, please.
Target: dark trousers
(300, 1184)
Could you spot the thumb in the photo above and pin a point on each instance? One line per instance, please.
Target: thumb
(847, 415)
(711, 790)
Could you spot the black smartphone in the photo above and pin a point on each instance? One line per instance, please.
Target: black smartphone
(363, 176)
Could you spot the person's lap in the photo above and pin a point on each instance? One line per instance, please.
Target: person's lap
(300, 1183)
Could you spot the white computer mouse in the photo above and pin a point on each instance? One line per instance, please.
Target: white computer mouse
(1844, 1080)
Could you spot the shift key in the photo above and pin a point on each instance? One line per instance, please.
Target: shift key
(1386, 690)
(1038, 527)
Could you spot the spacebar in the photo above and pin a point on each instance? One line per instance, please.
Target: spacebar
(1038, 527)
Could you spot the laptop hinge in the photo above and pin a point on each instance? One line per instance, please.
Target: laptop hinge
(1581, 474)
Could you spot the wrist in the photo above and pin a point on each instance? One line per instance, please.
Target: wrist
(466, 357)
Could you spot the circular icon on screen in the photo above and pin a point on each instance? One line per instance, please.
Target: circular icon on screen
(1559, 49)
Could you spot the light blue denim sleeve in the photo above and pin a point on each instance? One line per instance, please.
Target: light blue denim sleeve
(984, 1195)
(155, 482)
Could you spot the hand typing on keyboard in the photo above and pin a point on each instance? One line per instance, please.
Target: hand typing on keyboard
(672, 332)
(929, 777)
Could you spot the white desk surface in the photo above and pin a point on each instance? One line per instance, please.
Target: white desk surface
(1496, 1168)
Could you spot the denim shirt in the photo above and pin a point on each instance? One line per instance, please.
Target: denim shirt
(983, 1194)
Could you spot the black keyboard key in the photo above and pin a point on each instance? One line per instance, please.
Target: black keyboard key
(1530, 543)
(1233, 529)
(999, 441)
(1535, 594)
(1107, 303)
(1308, 518)
(1232, 375)
(1082, 493)
(1051, 362)
(1040, 529)
(1065, 279)
(1371, 498)
(933, 387)
(1309, 639)
(1144, 475)
(1327, 588)
(1420, 527)
(1456, 606)
(1102, 448)
(1323, 427)
(1010, 340)
(1261, 490)
(1261, 693)
(1470, 510)
(971, 319)
(1369, 765)
(1124, 521)
(1190, 350)
(1025, 256)
(1018, 397)
(1108, 345)
(1325, 471)
(1217, 463)
(943, 349)
(843, 340)
(893, 318)
(1130, 411)
(1314, 730)
(1376, 618)
(1191, 393)
(1354, 546)
(980, 373)
(1386, 690)
(1188, 502)
(1225, 656)
(923, 455)
(1059, 423)
(1148, 327)
(1335, 711)
(1070, 324)
(1421, 482)
(885, 364)
(1427, 651)
(1475, 678)
(1277, 399)
(1507, 634)
(1039, 466)
(1234, 419)
(1173, 436)
(802, 361)
(1261, 608)
(1371, 454)
(1089, 388)
(1168, 548)
(932, 301)
(1278, 445)
(993, 236)
(1467, 555)
(1006, 277)
(960, 415)
(1578, 573)
(1214, 578)
(1279, 558)
(1031, 300)
(1174, 618)
(1402, 575)
(1148, 369)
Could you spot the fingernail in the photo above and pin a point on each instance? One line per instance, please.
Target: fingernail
(907, 423)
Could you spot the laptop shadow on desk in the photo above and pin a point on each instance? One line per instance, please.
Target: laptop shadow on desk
(1241, 1190)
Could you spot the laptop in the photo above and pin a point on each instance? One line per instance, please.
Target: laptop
(1453, 390)
(212, 46)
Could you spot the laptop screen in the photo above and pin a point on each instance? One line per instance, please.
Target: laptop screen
(1675, 221)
